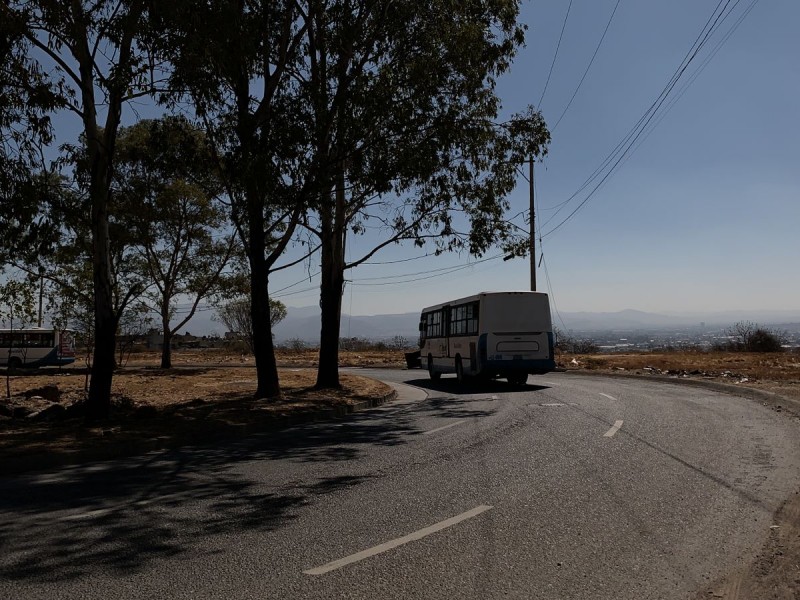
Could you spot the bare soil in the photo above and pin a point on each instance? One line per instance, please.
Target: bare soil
(179, 405)
(776, 373)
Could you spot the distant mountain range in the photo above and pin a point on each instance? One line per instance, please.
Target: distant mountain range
(304, 323)
(636, 319)
(386, 326)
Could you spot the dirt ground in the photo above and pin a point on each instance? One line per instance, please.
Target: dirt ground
(777, 373)
(180, 405)
(210, 393)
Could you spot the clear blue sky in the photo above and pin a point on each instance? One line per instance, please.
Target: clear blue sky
(704, 215)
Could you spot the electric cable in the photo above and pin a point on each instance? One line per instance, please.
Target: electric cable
(621, 144)
(695, 75)
(589, 66)
(555, 55)
(629, 144)
(440, 274)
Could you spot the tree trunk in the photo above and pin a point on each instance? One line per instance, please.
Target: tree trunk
(98, 403)
(331, 287)
(8, 363)
(166, 346)
(268, 385)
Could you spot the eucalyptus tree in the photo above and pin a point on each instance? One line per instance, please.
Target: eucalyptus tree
(89, 59)
(321, 111)
(238, 63)
(168, 192)
(16, 311)
(234, 313)
(403, 95)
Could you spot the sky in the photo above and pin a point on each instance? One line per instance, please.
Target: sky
(703, 215)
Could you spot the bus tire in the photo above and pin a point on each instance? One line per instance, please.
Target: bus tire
(433, 374)
(14, 364)
(517, 378)
(460, 371)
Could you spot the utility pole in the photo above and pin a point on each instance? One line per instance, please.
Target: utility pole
(533, 229)
(41, 295)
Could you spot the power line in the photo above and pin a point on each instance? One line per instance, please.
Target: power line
(436, 273)
(421, 272)
(399, 278)
(696, 74)
(296, 283)
(296, 292)
(621, 144)
(589, 66)
(629, 142)
(551, 293)
(402, 260)
(555, 55)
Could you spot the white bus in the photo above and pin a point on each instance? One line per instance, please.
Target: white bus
(36, 347)
(491, 334)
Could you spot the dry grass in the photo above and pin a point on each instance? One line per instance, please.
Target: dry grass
(776, 372)
(181, 404)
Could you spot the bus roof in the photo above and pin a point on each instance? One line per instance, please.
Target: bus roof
(478, 296)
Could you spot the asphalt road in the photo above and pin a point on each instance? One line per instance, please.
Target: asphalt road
(567, 487)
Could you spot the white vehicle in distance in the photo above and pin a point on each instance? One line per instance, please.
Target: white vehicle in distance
(491, 334)
(36, 347)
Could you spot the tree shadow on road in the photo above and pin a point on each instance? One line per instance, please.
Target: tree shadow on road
(450, 385)
(122, 516)
(454, 408)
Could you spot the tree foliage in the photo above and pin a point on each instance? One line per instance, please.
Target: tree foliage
(17, 309)
(166, 191)
(331, 117)
(234, 62)
(437, 165)
(235, 315)
(746, 336)
(17, 304)
(88, 59)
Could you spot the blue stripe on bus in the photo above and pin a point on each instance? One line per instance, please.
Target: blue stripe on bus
(51, 359)
(538, 364)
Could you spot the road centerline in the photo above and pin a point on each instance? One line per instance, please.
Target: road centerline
(609, 397)
(613, 430)
(391, 544)
(448, 426)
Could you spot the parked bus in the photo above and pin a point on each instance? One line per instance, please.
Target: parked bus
(491, 334)
(36, 347)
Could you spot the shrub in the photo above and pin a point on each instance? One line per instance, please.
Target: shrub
(764, 340)
(567, 344)
(296, 345)
(399, 342)
(750, 337)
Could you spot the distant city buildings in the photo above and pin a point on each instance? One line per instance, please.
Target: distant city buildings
(701, 337)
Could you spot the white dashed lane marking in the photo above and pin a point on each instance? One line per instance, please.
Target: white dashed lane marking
(386, 546)
(453, 424)
(613, 430)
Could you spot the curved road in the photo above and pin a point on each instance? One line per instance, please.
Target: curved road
(567, 487)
